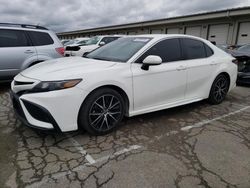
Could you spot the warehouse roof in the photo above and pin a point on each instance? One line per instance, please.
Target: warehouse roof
(198, 16)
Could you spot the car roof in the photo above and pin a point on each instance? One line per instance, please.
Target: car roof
(24, 29)
(157, 37)
(160, 36)
(82, 38)
(109, 36)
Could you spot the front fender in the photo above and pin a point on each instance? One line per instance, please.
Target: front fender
(120, 85)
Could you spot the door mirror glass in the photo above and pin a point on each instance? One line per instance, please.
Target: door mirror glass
(151, 60)
(102, 43)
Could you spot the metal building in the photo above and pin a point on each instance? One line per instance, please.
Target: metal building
(231, 26)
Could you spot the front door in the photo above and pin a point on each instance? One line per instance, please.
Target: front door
(162, 84)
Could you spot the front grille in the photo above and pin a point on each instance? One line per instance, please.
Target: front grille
(37, 112)
(17, 83)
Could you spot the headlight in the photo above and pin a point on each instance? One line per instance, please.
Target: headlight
(56, 85)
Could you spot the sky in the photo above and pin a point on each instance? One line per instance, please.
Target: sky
(69, 15)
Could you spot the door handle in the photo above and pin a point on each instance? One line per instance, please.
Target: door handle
(29, 52)
(180, 68)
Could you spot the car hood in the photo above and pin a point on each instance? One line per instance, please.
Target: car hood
(65, 68)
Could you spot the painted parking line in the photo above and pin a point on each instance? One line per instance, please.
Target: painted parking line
(82, 167)
(200, 124)
(92, 161)
(205, 122)
(79, 148)
(123, 151)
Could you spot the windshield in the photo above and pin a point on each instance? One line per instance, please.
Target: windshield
(120, 50)
(245, 48)
(70, 42)
(81, 42)
(93, 40)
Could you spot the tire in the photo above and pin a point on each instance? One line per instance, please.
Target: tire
(101, 112)
(219, 89)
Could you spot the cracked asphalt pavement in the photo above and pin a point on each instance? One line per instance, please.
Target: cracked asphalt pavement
(196, 145)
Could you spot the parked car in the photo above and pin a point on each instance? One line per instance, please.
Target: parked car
(130, 76)
(77, 41)
(22, 46)
(91, 44)
(242, 54)
(228, 48)
(65, 41)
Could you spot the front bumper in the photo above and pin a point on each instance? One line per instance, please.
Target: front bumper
(55, 110)
(37, 111)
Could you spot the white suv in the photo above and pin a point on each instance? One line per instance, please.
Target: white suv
(130, 76)
(22, 46)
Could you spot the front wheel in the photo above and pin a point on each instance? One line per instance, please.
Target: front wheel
(219, 89)
(102, 111)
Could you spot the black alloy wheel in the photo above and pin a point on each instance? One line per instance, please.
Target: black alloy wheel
(102, 111)
(219, 89)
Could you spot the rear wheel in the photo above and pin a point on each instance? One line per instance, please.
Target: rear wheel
(219, 89)
(102, 111)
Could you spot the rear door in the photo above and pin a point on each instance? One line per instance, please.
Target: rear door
(15, 49)
(44, 45)
(200, 65)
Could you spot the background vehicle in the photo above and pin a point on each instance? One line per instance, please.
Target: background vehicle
(242, 54)
(65, 41)
(22, 46)
(76, 41)
(90, 45)
(130, 76)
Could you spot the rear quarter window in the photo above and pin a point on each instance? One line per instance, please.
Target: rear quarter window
(209, 51)
(193, 49)
(40, 38)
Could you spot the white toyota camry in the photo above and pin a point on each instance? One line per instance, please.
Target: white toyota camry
(130, 76)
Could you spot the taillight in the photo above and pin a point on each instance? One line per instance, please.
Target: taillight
(60, 50)
(235, 61)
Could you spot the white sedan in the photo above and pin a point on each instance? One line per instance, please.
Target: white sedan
(130, 76)
(92, 44)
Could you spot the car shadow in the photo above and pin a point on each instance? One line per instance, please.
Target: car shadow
(4, 86)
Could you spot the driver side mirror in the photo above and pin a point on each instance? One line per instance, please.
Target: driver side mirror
(151, 60)
(102, 43)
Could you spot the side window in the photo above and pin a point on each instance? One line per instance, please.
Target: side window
(209, 51)
(193, 49)
(109, 39)
(13, 38)
(40, 38)
(169, 50)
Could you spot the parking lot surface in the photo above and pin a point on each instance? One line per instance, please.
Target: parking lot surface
(197, 145)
